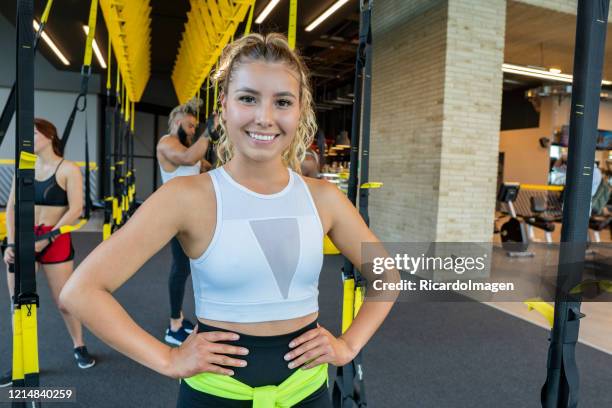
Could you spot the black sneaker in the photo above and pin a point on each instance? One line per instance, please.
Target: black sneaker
(176, 337)
(82, 357)
(188, 326)
(7, 379)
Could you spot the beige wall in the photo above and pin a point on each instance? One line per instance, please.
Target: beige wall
(472, 110)
(561, 113)
(435, 118)
(525, 160)
(565, 6)
(407, 97)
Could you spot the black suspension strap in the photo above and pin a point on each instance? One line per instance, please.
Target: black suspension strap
(562, 381)
(25, 332)
(118, 163)
(349, 386)
(108, 159)
(9, 106)
(88, 203)
(80, 104)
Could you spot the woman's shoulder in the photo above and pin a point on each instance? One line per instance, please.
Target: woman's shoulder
(321, 190)
(191, 198)
(69, 168)
(198, 188)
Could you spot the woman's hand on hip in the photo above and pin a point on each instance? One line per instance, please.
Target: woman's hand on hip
(318, 346)
(201, 352)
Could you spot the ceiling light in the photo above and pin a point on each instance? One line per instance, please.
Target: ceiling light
(51, 44)
(326, 14)
(260, 18)
(96, 49)
(540, 73)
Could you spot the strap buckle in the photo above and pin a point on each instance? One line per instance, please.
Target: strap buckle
(27, 299)
(86, 70)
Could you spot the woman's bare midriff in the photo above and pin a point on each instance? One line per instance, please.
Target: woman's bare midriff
(273, 328)
(48, 215)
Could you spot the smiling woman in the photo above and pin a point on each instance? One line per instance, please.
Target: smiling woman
(258, 342)
(281, 72)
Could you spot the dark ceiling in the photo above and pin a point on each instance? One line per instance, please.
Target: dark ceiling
(329, 50)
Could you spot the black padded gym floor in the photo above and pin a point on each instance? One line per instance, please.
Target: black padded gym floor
(426, 355)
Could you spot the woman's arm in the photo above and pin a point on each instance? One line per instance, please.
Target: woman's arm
(10, 215)
(74, 190)
(348, 231)
(9, 253)
(177, 154)
(88, 293)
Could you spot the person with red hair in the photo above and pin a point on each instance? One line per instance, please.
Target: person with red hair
(58, 199)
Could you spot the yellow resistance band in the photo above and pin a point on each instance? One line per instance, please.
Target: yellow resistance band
(198, 106)
(207, 94)
(71, 228)
(247, 29)
(45, 15)
(118, 83)
(108, 70)
(541, 187)
(25, 341)
(27, 161)
(93, 14)
(132, 119)
(292, 23)
(216, 90)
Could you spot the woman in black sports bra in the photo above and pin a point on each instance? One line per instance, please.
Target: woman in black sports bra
(58, 199)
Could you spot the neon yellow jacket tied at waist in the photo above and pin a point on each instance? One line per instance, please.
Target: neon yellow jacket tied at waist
(294, 389)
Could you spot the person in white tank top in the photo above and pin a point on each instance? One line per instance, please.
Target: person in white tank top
(178, 155)
(253, 229)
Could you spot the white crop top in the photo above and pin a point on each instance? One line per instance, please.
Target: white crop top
(180, 171)
(265, 257)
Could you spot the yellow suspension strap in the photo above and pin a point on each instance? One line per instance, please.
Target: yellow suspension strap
(43, 21)
(107, 227)
(216, 94)
(543, 308)
(590, 287)
(207, 94)
(64, 229)
(247, 28)
(25, 332)
(292, 23)
(198, 106)
(80, 104)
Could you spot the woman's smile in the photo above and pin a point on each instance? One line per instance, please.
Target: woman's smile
(262, 138)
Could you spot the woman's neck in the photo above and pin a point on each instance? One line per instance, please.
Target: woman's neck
(243, 169)
(47, 157)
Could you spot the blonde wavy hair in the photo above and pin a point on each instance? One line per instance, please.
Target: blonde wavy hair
(272, 47)
(191, 107)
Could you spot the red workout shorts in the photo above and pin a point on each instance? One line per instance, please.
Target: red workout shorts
(58, 251)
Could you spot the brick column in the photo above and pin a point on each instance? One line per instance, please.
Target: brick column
(437, 86)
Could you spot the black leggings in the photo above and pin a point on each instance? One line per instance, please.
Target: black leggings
(179, 272)
(265, 366)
